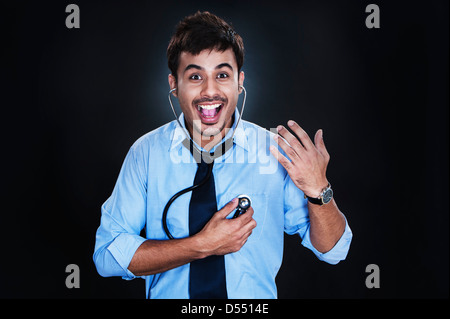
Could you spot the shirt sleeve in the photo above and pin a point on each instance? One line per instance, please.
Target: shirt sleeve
(123, 217)
(296, 221)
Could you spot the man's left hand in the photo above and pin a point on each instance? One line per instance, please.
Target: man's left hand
(308, 161)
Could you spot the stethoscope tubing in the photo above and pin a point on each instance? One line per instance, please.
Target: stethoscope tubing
(210, 165)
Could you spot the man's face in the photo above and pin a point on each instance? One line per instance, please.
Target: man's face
(207, 90)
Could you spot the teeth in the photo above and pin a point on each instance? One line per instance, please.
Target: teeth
(208, 107)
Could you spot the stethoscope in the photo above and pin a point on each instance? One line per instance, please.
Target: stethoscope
(244, 202)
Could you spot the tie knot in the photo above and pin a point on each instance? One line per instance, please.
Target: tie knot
(206, 159)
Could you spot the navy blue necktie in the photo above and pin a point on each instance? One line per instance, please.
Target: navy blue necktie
(207, 275)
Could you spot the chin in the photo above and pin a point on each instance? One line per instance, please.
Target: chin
(211, 131)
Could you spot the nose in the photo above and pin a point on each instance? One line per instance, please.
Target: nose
(210, 88)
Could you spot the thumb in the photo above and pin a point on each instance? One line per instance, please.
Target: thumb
(227, 209)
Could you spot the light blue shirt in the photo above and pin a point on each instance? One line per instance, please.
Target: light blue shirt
(157, 166)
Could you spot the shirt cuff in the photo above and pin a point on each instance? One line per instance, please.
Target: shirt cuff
(123, 248)
(338, 252)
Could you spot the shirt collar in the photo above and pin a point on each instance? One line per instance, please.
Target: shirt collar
(239, 138)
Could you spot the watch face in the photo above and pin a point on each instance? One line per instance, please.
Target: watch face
(327, 196)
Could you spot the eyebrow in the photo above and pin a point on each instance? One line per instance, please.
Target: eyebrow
(195, 66)
(224, 65)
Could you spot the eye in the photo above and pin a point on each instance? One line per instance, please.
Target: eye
(195, 77)
(222, 76)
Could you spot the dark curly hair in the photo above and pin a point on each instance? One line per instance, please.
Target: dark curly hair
(201, 31)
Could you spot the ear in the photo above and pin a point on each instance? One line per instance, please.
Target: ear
(173, 84)
(241, 80)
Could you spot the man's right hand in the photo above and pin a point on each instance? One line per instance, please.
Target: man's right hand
(221, 235)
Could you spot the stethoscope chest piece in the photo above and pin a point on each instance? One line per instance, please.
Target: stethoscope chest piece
(244, 203)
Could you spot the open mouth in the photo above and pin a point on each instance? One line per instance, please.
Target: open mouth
(209, 113)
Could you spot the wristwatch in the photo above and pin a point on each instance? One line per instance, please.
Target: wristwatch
(324, 198)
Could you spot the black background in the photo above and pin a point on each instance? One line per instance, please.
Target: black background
(74, 100)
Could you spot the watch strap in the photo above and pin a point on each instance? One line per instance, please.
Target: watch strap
(318, 200)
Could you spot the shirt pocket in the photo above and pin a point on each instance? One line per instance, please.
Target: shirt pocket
(259, 204)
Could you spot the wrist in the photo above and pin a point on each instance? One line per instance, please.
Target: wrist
(316, 191)
(200, 247)
(325, 196)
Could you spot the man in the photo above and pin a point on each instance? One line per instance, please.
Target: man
(216, 256)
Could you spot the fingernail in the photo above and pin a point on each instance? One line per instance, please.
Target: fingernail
(279, 128)
(290, 122)
(234, 200)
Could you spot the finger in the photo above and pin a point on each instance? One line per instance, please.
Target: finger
(320, 144)
(245, 217)
(249, 226)
(290, 152)
(227, 209)
(281, 158)
(301, 134)
(246, 235)
(248, 230)
(244, 240)
(291, 139)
